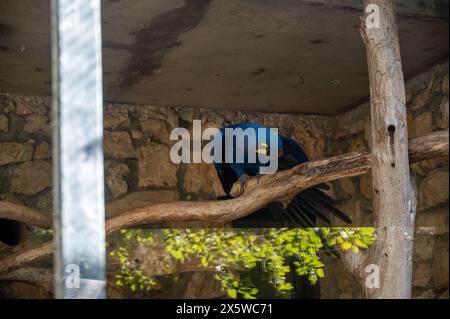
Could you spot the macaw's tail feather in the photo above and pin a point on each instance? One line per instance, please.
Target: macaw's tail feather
(328, 204)
(303, 212)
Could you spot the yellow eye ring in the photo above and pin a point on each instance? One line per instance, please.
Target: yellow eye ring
(261, 151)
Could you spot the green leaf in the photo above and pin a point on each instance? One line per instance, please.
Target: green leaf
(320, 273)
(346, 245)
(232, 293)
(177, 254)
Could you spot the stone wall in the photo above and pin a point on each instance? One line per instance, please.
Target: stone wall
(138, 169)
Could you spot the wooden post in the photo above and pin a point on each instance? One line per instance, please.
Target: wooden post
(393, 195)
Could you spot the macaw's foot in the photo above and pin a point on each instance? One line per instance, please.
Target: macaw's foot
(243, 179)
(258, 177)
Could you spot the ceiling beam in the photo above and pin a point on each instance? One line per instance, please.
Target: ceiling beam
(436, 9)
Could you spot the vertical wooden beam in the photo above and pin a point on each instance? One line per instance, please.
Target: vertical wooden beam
(392, 190)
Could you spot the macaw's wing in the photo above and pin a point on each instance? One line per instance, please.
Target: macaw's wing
(293, 151)
(226, 175)
(303, 211)
(225, 172)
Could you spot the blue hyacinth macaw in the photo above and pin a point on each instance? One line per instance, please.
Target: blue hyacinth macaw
(305, 207)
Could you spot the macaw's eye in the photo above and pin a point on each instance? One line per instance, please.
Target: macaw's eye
(264, 149)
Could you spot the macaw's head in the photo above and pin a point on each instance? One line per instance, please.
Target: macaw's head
(271, 143)
(269, 148)
(248, 145)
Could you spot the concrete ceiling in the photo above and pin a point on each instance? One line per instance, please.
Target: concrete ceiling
(262, 55)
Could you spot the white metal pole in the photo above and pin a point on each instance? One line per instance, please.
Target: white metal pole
(77, 149)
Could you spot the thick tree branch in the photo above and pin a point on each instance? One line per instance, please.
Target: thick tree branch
(270, 188)
(428, 147)
(36, 276)
(25, 215)
(23, 258)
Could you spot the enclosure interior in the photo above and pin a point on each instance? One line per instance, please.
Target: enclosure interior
(299, 66)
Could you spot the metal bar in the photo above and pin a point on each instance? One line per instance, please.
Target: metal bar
(77, 153)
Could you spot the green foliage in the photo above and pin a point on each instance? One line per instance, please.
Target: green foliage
(139, 235)
(231, 252)
(348, 238)
(130, 275)
(43, 234)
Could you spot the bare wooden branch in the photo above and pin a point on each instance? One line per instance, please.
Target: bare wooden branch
(257, 195)
(25, 215)
(271, 188)
(23, 258)
(37, 276)
(427, 147)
